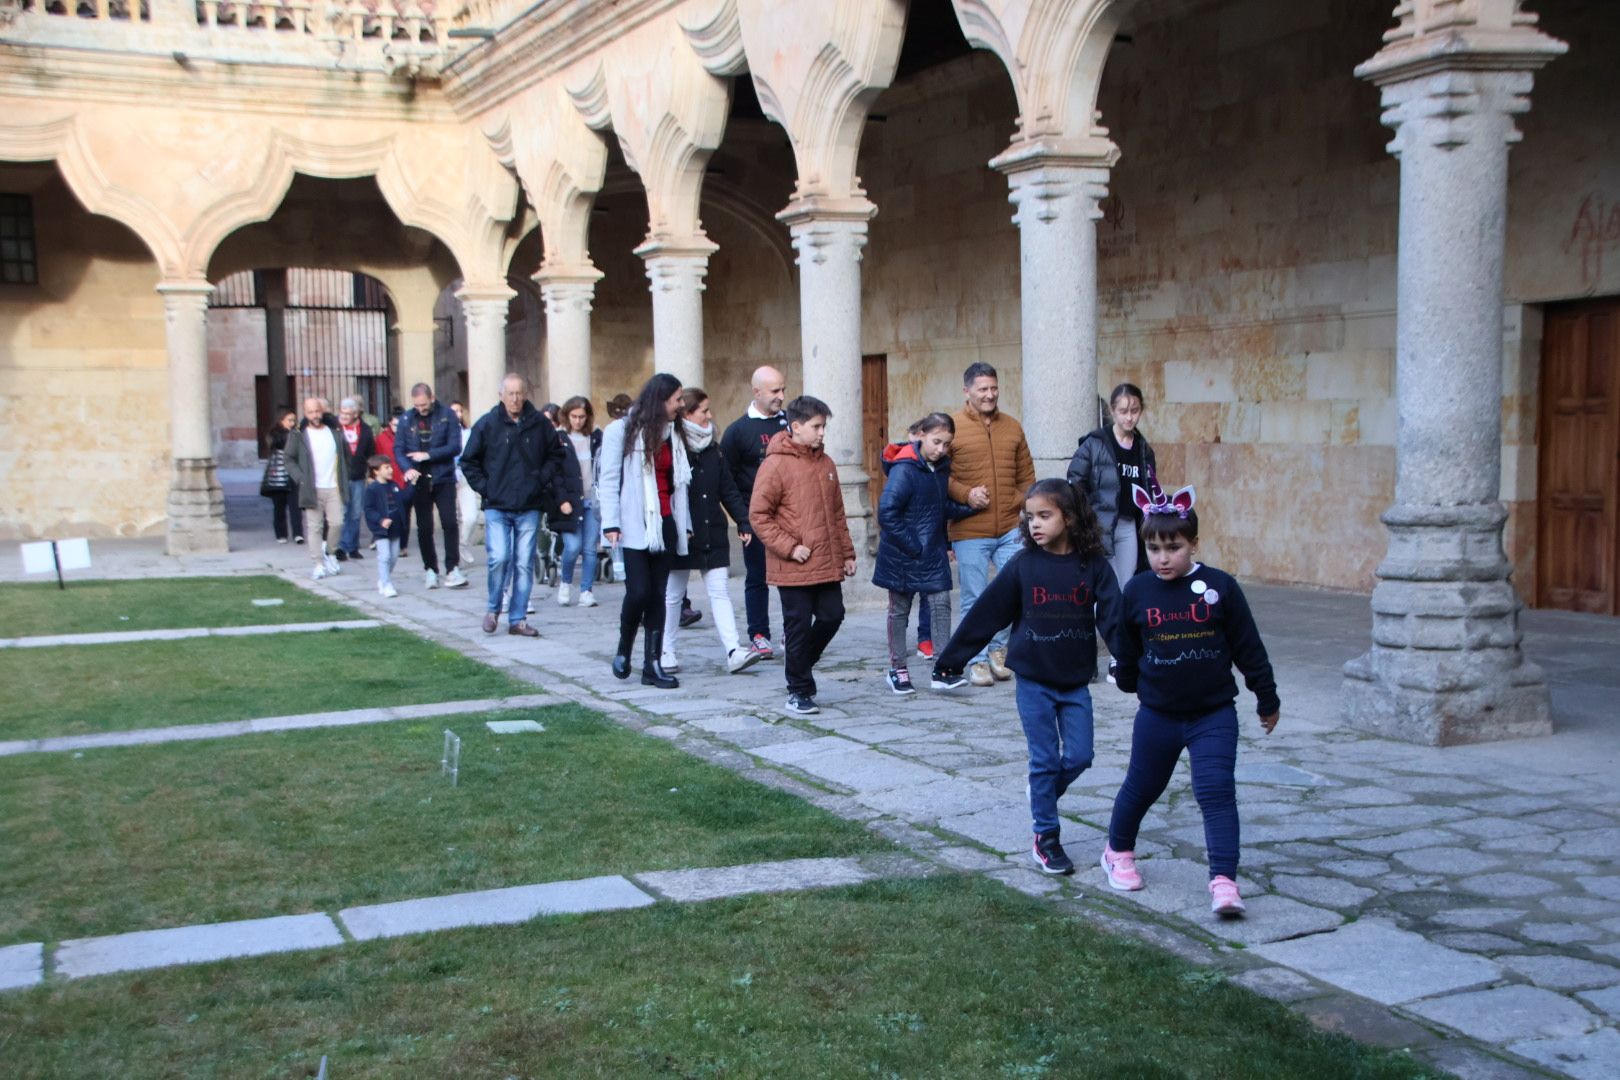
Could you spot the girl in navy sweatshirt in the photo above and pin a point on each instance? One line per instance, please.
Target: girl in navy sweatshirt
(1055, 593)
(1185, 627)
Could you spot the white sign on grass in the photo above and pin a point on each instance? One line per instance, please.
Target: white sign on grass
(74, 555)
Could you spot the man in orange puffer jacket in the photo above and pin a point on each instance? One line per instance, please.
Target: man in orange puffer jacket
(797, 511)
(991, 468)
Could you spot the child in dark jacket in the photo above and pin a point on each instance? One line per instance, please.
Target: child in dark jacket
(1056, 594)
(913, 554)
(384, 509)
(1185, 626)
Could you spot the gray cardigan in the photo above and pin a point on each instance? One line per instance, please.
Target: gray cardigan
(619, 494)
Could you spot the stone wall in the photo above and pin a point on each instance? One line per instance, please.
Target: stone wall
(84, 434)
(236, 356)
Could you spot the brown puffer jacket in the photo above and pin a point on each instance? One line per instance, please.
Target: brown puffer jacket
(997, 456)
(797, 500)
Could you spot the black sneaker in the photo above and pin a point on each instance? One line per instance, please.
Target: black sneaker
(804, 705)
(900, 682)
(342, 556)
(1049, 854)
(355, 556)
(947, 680)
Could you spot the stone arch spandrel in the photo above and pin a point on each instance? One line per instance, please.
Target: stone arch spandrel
(1054, 52)
(817, 69)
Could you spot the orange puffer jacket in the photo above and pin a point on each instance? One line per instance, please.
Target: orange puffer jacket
(995, 455)
(797, 500)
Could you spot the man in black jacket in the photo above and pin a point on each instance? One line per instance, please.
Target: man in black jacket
(511, 460)
(743, 447)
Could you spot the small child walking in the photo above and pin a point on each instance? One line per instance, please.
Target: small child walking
(1185, 627)
(1056, 593)
(383, 508)
(797, 512)
(913, 556)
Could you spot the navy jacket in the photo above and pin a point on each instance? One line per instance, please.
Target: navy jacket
(712, 495)
(913, 549)
(442, 445)
(566, 489)
(513, 464)
(383, 501)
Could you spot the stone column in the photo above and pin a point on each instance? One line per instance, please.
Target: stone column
(415, 345)
(829, 235)
(568, 299)
(676, 273)
(196, 501)
(1057, 195)
(1445, 665)
(484, 311)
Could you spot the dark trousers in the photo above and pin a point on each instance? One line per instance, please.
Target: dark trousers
(756, 594)
(424, 497)
(285, 517)
(646, 576)
(811, 615)
(1157, 741)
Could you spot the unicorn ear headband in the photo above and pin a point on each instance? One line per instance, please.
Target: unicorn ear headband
(1154, 500)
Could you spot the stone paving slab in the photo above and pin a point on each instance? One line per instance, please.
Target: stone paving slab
(193, 944)
(795, 752)
(1564, 972)
(514, 727)
(121, 637)
(945, 797)
(1583, 1057)
(1607, 1000)
(690, 886)
(21, 965)
(299, 722)
(1508, 1013)
(492, 907)
(1376, 960)
(867, 770)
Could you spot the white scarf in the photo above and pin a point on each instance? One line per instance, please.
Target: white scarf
(699, 437)
(652, 520)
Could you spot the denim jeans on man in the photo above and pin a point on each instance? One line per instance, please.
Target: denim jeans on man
(352, 515)
(973, 561)
(1058, 729)
(582, 544)
(509, 537)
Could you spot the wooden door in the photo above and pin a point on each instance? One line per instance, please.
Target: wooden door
(874, 423)
(1578, 489)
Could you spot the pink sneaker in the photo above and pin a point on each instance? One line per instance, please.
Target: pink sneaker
(1224, 898)
(1120, 866)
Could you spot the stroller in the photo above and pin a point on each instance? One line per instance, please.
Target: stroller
(548, 545)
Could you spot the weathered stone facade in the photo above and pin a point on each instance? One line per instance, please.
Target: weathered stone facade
(1193, 196)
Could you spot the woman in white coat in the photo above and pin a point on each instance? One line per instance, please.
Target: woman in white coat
(642, 489)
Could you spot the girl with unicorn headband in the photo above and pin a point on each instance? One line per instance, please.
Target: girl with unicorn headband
(1185, 626)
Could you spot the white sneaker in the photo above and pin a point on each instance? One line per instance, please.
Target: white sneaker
(669, 663)
(430, 580)
(564, 593)
(281, 539)
(741, 659)
(388, 590)
(586, 599)
(333, 567)
(455, 579)
(319, 572)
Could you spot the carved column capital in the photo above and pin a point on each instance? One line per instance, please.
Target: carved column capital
(1047, 180)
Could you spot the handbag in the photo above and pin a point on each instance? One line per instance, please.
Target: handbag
(275, 479)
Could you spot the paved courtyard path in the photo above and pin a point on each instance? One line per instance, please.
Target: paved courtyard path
(1395, 891)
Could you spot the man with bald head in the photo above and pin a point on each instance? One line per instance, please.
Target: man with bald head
(743, 447)
(315, 464)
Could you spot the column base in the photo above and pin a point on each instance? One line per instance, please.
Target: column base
(196, 509)
(1515, 705)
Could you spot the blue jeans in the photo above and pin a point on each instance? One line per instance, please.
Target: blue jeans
(973, 561)
(509, 542)
(352, 515)
(582, 543)
(1157, 741)
(1057, 727)
(387, 556)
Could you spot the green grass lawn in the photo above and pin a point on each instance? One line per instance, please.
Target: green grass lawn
(143, 837)
(951, 977)
(89, 607)
(75, 689)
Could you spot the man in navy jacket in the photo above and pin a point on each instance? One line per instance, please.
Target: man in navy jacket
(425, 449)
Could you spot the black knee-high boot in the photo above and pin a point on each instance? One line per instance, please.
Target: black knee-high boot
(627, 641)
(652, 669)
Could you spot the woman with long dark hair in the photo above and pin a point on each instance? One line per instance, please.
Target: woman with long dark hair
(277, 485)
(643, 481)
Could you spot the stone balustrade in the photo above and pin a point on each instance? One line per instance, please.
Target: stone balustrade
(409, 38)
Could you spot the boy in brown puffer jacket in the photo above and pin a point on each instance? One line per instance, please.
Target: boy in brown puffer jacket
(797, 511)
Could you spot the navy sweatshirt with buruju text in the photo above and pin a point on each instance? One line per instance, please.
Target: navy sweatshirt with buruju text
(1048, 600)
(1180, 640)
